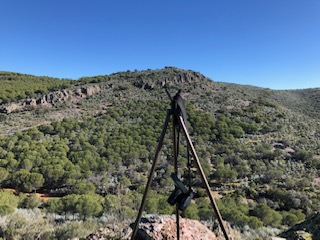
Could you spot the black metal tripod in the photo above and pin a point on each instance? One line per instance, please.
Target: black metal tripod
(178, 113)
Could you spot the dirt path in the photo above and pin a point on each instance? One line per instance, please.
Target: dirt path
(43, 196)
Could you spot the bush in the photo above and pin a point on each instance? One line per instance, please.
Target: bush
(292, 217)
(191, 212)
(6, 210)
(8, 198)
(164, 207)
(75, 229)
(32, 201)
(254, 222)
(267, 215)
(26, 224)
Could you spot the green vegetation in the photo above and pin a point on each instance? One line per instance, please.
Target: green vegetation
(262, 157)
(15, 86)
(8, 203)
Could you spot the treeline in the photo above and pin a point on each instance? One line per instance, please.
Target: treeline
(16, 86)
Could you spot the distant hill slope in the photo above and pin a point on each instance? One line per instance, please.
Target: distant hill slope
(304, 101)
(15, 86)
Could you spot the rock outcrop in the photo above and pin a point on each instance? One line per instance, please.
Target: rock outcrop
(164, 227)
(157, 227)
(166, 79)
(119, 231)
(72, 95)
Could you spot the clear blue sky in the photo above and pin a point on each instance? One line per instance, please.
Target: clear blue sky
(266, 43)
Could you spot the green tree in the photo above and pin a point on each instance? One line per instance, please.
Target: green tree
(205, 209)
(8, 202)
(225, 173)
(254, 222)
(163, 206)
(292, 217)
(34, 182)
(268, 216)
(26, 181)
(152, 204)
(6, 209)
(31, 201)
(7, 197)
(89, 206)
(191, 212)
(3, 175)
(69, 204)
(55, 206)
(82, 187)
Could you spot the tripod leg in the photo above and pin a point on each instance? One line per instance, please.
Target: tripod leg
(175, 162)
(153, 168)
(203, 177)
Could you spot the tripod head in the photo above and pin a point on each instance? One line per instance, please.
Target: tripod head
(177, 106)
(177, 103)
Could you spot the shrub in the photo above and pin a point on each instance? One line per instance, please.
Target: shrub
(8, 198)
(32, 201)
(268, 216)
(74, 229)
(6, 210)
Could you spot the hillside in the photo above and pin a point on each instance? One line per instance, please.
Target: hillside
(15, 86)
(306, 101)
(260, 148)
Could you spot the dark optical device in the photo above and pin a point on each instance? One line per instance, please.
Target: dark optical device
(181, 195)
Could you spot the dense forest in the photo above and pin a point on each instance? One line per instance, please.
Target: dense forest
(259, 149)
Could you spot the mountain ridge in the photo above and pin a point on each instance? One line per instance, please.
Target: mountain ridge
(122, 86)
(170, 76)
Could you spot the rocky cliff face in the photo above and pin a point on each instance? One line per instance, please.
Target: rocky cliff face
(163, 78)
(147, 80)
(72, 95)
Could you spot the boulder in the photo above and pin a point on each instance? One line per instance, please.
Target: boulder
(156, 227)
(161, 227)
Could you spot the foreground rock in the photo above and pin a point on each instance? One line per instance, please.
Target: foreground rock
(164, 227)
(158, 227)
